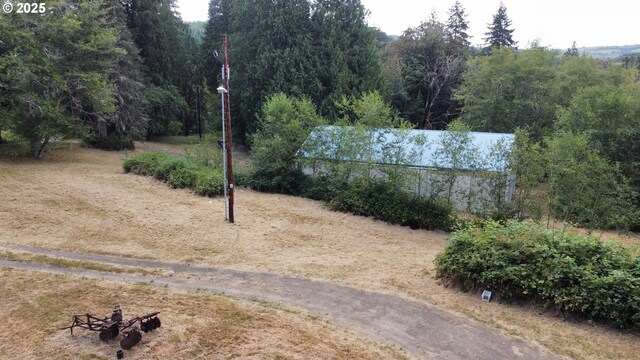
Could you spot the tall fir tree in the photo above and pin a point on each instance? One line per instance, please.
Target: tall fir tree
(349, 62)
(169, 55)
(219, 24)
(322, 50)
(500, 33)
(270, 50)
(457, 26)
(128, 121)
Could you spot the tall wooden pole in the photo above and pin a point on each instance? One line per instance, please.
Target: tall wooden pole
(229, 142)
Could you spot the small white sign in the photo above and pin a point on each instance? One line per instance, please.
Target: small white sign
(486, 295)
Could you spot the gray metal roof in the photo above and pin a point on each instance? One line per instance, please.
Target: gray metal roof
(415, 148)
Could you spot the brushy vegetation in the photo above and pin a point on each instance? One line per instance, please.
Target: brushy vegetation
(111, 142)
(177, 172)
(573, 274)
(283, 126)
(286, 123)
(381, 200)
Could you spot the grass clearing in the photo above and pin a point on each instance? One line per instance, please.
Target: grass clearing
(67, 200)
(34, 305)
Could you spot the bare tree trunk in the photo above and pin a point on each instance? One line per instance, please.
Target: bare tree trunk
(443, 74)
(37, 152)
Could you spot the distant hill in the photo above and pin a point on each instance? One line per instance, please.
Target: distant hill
(609, 52)
(197, 30)
(629, 60)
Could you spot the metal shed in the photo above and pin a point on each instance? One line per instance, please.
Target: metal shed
(479, 160)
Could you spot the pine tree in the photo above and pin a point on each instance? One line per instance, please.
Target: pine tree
(500, 31)
(457, 26)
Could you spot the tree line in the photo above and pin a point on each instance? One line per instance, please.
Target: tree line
(110, 71)
(107, 71)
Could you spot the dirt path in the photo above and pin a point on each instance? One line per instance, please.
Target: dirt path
(423, 331)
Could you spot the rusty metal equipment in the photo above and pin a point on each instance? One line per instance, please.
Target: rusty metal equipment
(110, 326)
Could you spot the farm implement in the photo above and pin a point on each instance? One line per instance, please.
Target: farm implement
(110, 326)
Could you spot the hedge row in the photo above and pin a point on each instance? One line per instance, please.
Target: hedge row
(367, 197)
(377, 199)
(177, 172)
(383, 201)
(574, 274)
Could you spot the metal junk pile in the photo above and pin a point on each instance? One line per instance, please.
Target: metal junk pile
(110, 327)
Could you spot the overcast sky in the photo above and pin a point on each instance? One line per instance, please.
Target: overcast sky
(555, 23)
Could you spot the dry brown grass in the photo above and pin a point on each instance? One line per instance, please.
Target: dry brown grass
(627, 239)
(60, 262)
(81, 201)
(34, 305)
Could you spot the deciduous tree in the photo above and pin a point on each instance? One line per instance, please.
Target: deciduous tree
(429, 71)
(506, 90)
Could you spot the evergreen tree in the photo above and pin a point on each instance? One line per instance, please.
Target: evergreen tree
(219, 24)
(572, 51)
(128, 121)
(169, 55)
(61, 72)
(348, 57)
(457, 26)
(271, 50)
(322, 50)
(500, 31)
(197, 30)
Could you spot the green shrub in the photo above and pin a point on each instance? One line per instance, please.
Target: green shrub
(322, 188)
(574, 274)
(111, 142)
(182, 178)
(177, 172)
(383, 201)
(283, 125)
(208, 182)
(144, 163)
(164, 168)
(242, 178)
(285, 180)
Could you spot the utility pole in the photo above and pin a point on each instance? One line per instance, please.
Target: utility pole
(223, 91)
(229, 142)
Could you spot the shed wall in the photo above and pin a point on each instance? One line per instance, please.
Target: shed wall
(469, 192)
